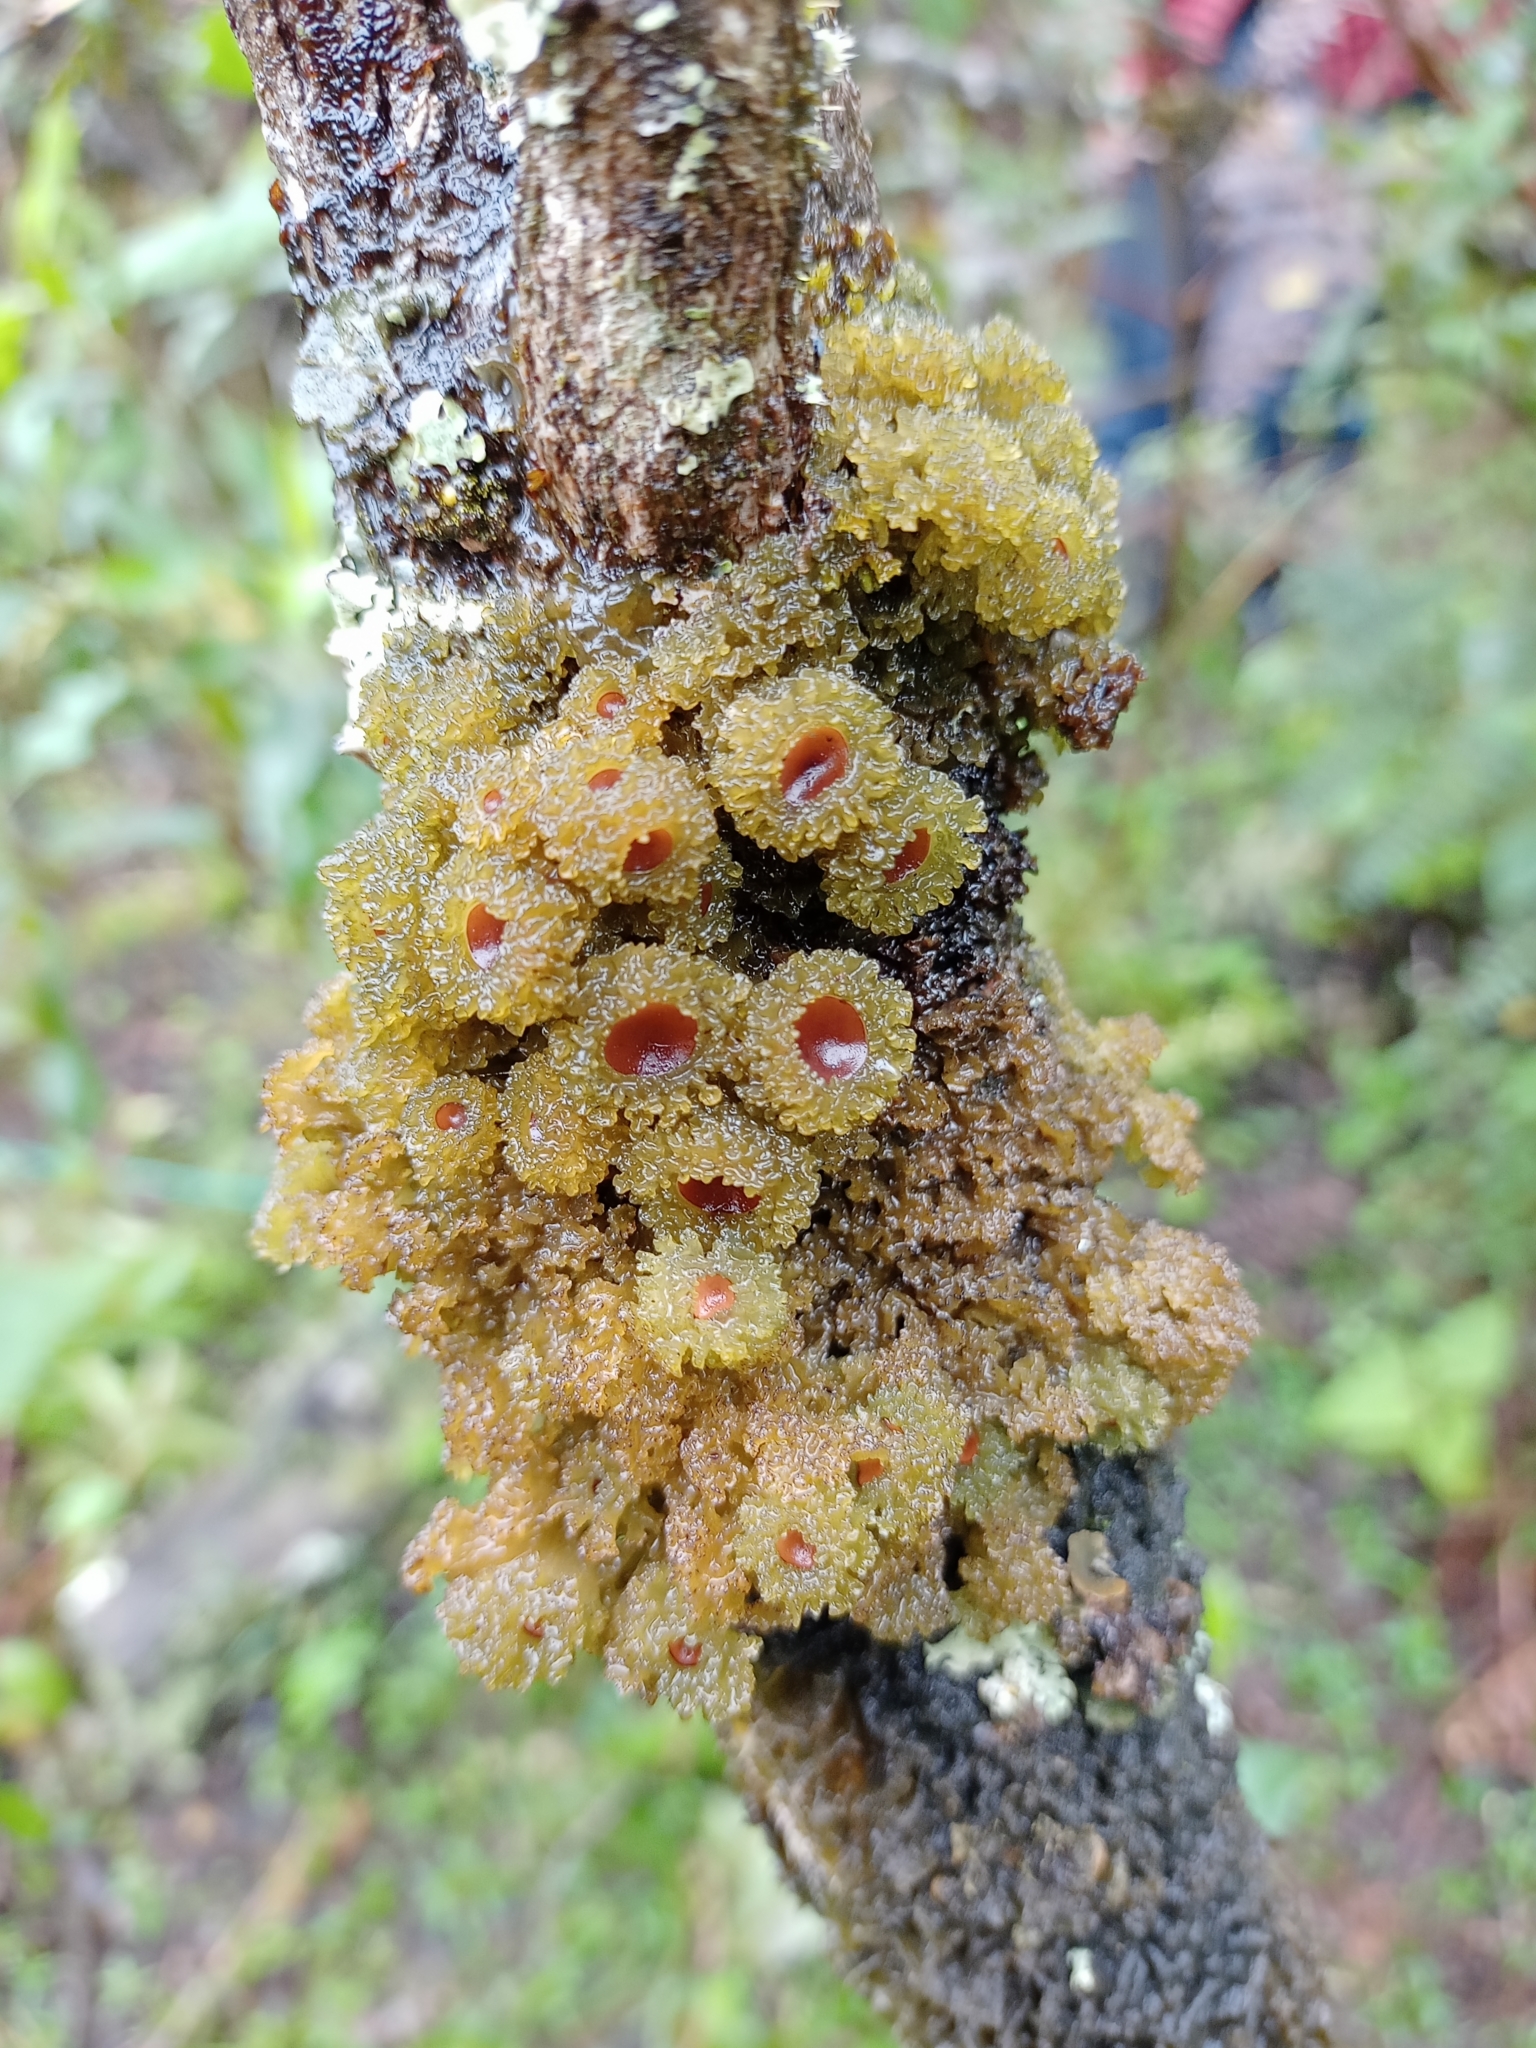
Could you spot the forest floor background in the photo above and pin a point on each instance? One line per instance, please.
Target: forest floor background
(244, 1795)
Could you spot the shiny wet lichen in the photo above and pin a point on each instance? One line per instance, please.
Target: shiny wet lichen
(739, 1153)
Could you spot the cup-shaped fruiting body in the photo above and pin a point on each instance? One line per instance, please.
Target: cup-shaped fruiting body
(608, 697)
(705, 920)
(368, 1078)
(290, 1224)
(491, 794)
(802, 763)
(550, 1145)
(721, 1169)
(827, 1043)
(524, 1619)
(889, 875)
(807, 1546)
(1121, 1403)
(1165, 1302)
(451, 1130)
(470, 676)
(375, 904)
(909, 1440)
(651, 1032)
(290, 1091)
(460, 699)
(1010, 1570)
(997, 1480)
(661, 1646)
(772, 619)
(504, 937)
(624, 822)
(721, 1306)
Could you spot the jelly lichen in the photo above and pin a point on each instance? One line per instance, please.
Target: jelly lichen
(745, 1192)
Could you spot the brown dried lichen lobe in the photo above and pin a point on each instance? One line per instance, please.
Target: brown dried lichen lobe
(749, 1203)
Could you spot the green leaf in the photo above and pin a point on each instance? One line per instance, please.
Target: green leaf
(1228, 1617)
(48, 187)
(19, 306)
(229, 240)
(85, 1507)
(20, 1818)
(324, 1677)
(1423, 1665)
(62, 734)
(946, 21)
(42, 1305)
(1427, 1401)
(1509, 870)
(1471, 1351)
(34, 1690)
(224, 65)
(1287, 1788)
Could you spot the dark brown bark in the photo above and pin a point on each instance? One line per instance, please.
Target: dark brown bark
(1007, 1883)
(644, 406)
(665, 175)
(662, 178)
(397, 199)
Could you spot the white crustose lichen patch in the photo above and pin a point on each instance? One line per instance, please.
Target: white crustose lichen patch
(1215, 1702)
(343, 366)
(504, 35)
(555, 108)
(714, 390)
(685, 175)
(1019, 1672)
(437, 436)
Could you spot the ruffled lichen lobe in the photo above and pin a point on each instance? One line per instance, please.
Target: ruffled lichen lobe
(740, 1154)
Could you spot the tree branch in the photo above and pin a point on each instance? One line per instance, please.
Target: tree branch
(566, 334)
(1001, 1876)
(665, 176)
(648, 407)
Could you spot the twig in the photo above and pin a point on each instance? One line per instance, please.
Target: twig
(82, 1950)
(303, 1855)
(1232, 586)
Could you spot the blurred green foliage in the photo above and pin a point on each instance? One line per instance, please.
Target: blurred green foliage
(1428, 1400)
(1310, 856)
(1322, 841)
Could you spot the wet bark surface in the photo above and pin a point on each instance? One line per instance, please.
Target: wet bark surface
(564, 323)
(1002, 1882)
(396, 198)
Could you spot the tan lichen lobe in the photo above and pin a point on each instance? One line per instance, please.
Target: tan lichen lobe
(966, 448)
(758, 1286)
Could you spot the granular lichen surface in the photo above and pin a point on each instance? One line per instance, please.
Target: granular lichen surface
(740, 1154)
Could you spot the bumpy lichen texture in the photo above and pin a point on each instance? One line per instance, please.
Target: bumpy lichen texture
(739, 1153)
